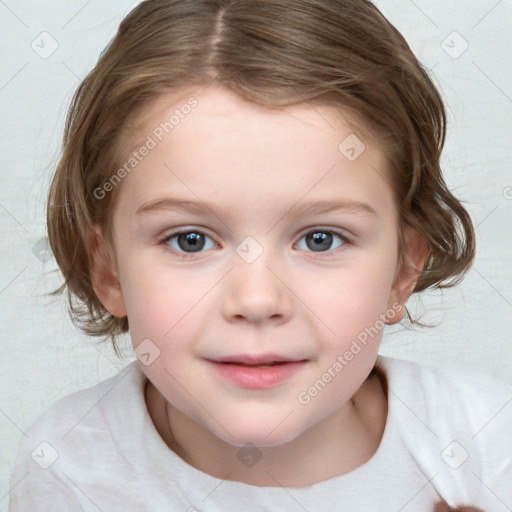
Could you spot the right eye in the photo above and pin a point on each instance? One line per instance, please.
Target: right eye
(188, 242)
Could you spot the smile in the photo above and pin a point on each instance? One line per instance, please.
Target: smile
(251, 373)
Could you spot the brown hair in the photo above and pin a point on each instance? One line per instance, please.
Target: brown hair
(442, 506)
(276, 53)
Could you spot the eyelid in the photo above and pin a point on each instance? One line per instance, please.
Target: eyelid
(188, 229)
(337, 231)
(340, 232)
(163, 241)
(332, 253)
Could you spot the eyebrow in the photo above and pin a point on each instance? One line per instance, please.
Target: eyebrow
(166, 204)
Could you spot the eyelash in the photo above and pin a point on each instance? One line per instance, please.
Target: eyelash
(325, 254)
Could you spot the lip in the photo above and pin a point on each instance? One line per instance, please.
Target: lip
(244, 372)
(254, 359)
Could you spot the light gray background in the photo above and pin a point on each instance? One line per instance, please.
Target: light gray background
(45, 358)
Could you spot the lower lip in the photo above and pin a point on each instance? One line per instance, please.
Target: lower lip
(252, 377)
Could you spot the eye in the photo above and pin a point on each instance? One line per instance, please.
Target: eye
(321, 240)
(189, 242)
(186, 243)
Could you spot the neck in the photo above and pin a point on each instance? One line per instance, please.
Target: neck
(334, 446)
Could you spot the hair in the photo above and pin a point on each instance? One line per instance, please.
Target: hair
(442, 506)
(274, 53)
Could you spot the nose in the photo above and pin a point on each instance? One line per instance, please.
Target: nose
(256, 293)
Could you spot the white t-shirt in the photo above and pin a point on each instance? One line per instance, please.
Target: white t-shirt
(448, 436)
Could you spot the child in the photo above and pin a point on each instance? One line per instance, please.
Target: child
(295, 145)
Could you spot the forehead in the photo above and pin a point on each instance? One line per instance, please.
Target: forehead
(212, 142)
(217, 103)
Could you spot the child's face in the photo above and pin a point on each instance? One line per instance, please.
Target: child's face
(257, 285)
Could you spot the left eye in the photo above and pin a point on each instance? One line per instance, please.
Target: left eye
(321, 241)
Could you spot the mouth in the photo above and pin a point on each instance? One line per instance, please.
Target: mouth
(262, 365)
(256, 360)
(256, 372)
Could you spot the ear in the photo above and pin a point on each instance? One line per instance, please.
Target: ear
(103, 274)
(407, 276)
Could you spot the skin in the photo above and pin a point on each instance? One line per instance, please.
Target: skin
(255, 164)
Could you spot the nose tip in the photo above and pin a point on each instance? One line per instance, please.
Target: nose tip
(254, 292)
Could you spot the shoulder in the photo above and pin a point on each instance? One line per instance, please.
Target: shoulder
(456, 423)
(449, 400)
(94, 449)
(81, 423)
(85, 407)
(454, 385)
(463, 394)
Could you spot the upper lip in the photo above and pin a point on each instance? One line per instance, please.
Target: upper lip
(255, 359)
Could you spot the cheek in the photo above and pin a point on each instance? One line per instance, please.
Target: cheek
(347, 300)
(159, 301)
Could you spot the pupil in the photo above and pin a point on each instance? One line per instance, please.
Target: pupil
(321, 240)
(191, 241)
